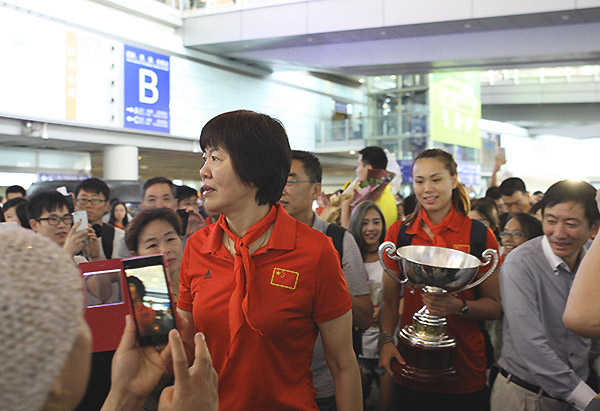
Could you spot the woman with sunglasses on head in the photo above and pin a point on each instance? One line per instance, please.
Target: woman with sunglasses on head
(440, 219)
(259, 284)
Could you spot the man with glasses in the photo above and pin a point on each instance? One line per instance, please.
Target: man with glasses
(91, 196)
(302, 188)
(49, 216)
(543, 365)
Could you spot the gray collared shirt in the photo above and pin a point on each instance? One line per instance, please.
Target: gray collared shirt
(357, 279)
(537, 347)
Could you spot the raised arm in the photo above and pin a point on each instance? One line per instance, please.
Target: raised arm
(582, 313)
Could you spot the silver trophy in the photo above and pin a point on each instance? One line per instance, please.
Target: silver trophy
(425, 346)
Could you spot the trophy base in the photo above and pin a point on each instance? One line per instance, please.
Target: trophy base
(425, 363)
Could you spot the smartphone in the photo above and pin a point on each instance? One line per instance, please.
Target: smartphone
(502, 153)
(81, 216)
(151, 300)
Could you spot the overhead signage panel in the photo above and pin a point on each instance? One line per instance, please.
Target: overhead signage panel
(455, 100)
(146, 90)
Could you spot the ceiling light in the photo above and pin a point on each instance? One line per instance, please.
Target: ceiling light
(361, 80)
(352, 152)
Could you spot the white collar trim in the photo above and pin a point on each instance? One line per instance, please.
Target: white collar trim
(554, 260)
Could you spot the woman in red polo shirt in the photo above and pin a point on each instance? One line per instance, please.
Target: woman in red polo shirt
(258, 283)
(440, 219)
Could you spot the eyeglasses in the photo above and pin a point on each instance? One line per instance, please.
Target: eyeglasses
(54, 219)
(94, 201)
(292, 182)
(517, 234)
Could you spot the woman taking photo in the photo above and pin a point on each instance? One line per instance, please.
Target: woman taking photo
(367, 225)
(440, 219)
(118, 216)
(258, 283)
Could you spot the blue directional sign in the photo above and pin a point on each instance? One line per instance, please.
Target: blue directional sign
(146, 90)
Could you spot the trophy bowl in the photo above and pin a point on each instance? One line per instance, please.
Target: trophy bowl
(444, 268)
(436, 269)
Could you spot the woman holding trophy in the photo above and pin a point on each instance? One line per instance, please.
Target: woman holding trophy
(434, 372)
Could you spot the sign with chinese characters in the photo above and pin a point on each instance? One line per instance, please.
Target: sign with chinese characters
(455, 101)
(146, 90)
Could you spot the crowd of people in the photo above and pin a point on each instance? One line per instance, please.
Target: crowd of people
(284, 305)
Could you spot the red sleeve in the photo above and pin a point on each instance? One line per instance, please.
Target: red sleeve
(332, 299)
(184, 301)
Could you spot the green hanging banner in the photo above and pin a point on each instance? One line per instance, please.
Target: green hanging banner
(455, 108)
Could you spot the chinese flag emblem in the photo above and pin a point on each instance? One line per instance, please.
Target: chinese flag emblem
(284, 278)
(465, 248)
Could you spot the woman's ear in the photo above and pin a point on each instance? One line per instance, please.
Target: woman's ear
(454, 181)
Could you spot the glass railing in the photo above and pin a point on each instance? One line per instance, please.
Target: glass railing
(345, 132)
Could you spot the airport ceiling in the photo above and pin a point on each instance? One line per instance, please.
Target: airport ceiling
(387, 50)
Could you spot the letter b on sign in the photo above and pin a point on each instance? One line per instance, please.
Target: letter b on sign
(148, 89)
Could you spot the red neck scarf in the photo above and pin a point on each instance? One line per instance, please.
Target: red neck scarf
(243, 271)
(438, 240)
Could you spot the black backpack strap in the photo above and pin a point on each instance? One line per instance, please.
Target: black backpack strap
(336, 233)
(478, 238)
(108, 235)
(403, 238)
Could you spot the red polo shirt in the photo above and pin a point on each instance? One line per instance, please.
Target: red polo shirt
(469, 357)
(298, 282)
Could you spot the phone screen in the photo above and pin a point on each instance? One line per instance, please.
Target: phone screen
(151, 301)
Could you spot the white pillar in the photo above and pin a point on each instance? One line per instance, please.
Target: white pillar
(121, 163)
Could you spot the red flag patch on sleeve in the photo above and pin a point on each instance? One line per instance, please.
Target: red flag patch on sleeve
(284, 278)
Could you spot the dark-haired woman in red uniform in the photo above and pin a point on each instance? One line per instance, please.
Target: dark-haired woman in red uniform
(440, 219)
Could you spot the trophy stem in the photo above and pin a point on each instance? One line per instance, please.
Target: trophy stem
(427, 350)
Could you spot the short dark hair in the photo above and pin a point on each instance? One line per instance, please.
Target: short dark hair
(356, 221)
(20, 206)
(311, 164)
(511, 185)
(93, 185)
(158, 180)
(259, 149)
(374, 156)
(493, 193)
(143, 218)
(43, 200)
(138, 284)
(15, 189)
(531, 226)
(184, 192)
(576, 191)
(538, 192)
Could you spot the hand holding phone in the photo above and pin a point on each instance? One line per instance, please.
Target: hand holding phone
(80, 216)
(151, 299)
